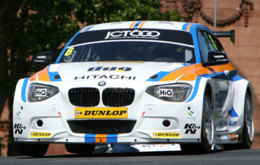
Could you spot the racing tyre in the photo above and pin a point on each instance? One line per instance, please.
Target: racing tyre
(31, 149)
(207, 131)
(85, 149)
(248, 127)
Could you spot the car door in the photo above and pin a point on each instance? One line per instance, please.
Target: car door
(223, 89)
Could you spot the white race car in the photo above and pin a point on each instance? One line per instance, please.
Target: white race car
(135, 82)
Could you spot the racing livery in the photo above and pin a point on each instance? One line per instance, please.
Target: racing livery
(135, 82)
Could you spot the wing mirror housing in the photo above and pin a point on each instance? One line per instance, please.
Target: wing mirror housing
(44, 58)
(216, 58)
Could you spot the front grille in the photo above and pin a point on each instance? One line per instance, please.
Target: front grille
(84, 96)
(118, 96)
(101, 126)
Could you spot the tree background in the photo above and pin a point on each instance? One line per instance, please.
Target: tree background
(28, 27)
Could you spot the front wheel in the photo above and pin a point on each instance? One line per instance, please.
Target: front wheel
(207, 131)
(248, 129)
(31, 149)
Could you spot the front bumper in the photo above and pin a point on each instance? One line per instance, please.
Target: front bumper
(155, 121)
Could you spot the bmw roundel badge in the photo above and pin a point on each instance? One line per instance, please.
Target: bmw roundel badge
(102, 83)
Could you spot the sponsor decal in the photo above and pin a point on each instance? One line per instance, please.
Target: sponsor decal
(69, 51)
(191, 113)
(77, 113)
(41, 92)
(40, 134)
(18, 115)
(165, 93)
(110, 68)
(166, 134)
(18, 128)
(130, 34)
(191, 128)
(100, 77)
(219, 56)
(101, 113)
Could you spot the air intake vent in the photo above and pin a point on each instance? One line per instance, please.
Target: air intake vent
(101, 126)
(84, 96)
(117, 97)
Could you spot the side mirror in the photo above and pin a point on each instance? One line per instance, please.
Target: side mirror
(216, 58)
(43, 58)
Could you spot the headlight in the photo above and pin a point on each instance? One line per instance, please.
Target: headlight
(171, 92)
(39, 92)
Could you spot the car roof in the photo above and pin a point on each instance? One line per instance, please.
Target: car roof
(168, 25)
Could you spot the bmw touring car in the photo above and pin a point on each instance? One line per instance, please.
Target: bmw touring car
(135, 82)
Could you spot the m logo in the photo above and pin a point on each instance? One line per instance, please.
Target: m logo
(191, 128)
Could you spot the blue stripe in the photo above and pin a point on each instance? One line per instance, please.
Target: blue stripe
(193, 31)
(53, 74)
(184, 27)
(88, 28)
(23, 94)
(112, 138)
(195, 90)
(237, 78)
(90, 138)
(137, 24)
(160, 76)
(215, 75)
(65, 48)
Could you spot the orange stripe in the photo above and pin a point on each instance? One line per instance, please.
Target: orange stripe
(33, 78)
(131, 26)
(84, 28)
(101, 138)
(188, 28)
(43, 75)
(142, 24)
(191, 72)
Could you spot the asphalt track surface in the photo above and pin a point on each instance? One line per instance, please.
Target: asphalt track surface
(231, 157)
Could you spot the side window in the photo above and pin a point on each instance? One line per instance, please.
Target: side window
(208, 43)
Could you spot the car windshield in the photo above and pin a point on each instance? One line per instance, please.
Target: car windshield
(156, 51)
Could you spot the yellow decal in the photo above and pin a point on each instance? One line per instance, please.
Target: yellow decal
(40, 134)
(166, 135)
(101, 113)
(69, 51)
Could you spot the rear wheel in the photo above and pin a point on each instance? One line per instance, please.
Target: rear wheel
(248, 127)
(31, 149)
(80, 148)
(207, 131)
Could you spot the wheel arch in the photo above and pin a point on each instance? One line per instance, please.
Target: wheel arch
(242, 87)
(209, 90)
